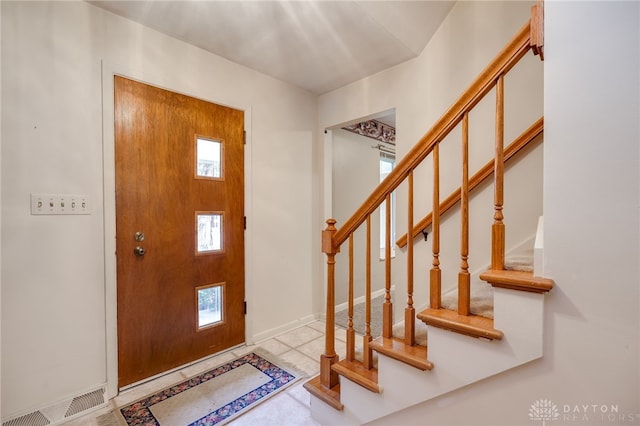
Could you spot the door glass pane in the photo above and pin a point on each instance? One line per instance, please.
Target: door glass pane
(209, 232)
(209, 158)
(209, 305)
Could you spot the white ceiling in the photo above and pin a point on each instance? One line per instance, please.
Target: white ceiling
(318, 45)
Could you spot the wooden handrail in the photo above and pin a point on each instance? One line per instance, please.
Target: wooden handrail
(480, 176)
(537, 29)
(501, 64)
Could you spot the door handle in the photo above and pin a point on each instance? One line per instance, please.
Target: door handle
(139, 251)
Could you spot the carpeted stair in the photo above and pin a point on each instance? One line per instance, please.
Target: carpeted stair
(482, 292)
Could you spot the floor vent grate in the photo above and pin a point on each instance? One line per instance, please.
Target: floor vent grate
(62, 411)
(85, 402)
(32, 419)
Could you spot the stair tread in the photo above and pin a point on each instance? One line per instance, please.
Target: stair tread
(517, 280)
(357, 373)
(481, 299)
(520, 261)
(329, 396)
(517, 264)
(471, 325)
(395, 348)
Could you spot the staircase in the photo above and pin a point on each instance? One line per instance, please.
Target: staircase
(464, 344)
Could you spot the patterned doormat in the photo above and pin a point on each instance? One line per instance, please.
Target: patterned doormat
(214, 397)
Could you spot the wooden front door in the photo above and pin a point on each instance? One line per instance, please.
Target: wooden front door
(179, 229)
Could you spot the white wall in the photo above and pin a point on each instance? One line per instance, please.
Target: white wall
(591, 205)
(421, 90)
(55, 270)
(0, 212)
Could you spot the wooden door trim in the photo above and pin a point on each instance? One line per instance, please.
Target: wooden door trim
(154, 78)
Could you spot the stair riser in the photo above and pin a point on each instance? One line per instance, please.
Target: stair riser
(326, 415)
(366, 406)
(520, 315)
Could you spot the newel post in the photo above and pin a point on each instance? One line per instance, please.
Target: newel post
(328, 377)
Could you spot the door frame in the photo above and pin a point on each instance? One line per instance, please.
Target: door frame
(154, 77)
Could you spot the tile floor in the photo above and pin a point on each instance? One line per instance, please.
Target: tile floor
(301, 347)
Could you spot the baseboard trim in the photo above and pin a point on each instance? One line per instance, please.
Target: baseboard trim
(268, 334)
(361, 299)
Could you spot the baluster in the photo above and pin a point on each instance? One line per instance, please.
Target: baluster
(328, 377)
(497, 234)
(367, 351)
(387, 311)
(351, 332)
(409, 312)
(435, 295)
(464, 279)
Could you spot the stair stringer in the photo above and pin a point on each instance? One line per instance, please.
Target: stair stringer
(458, 361)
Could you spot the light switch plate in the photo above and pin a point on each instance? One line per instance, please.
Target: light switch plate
(60, 204)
